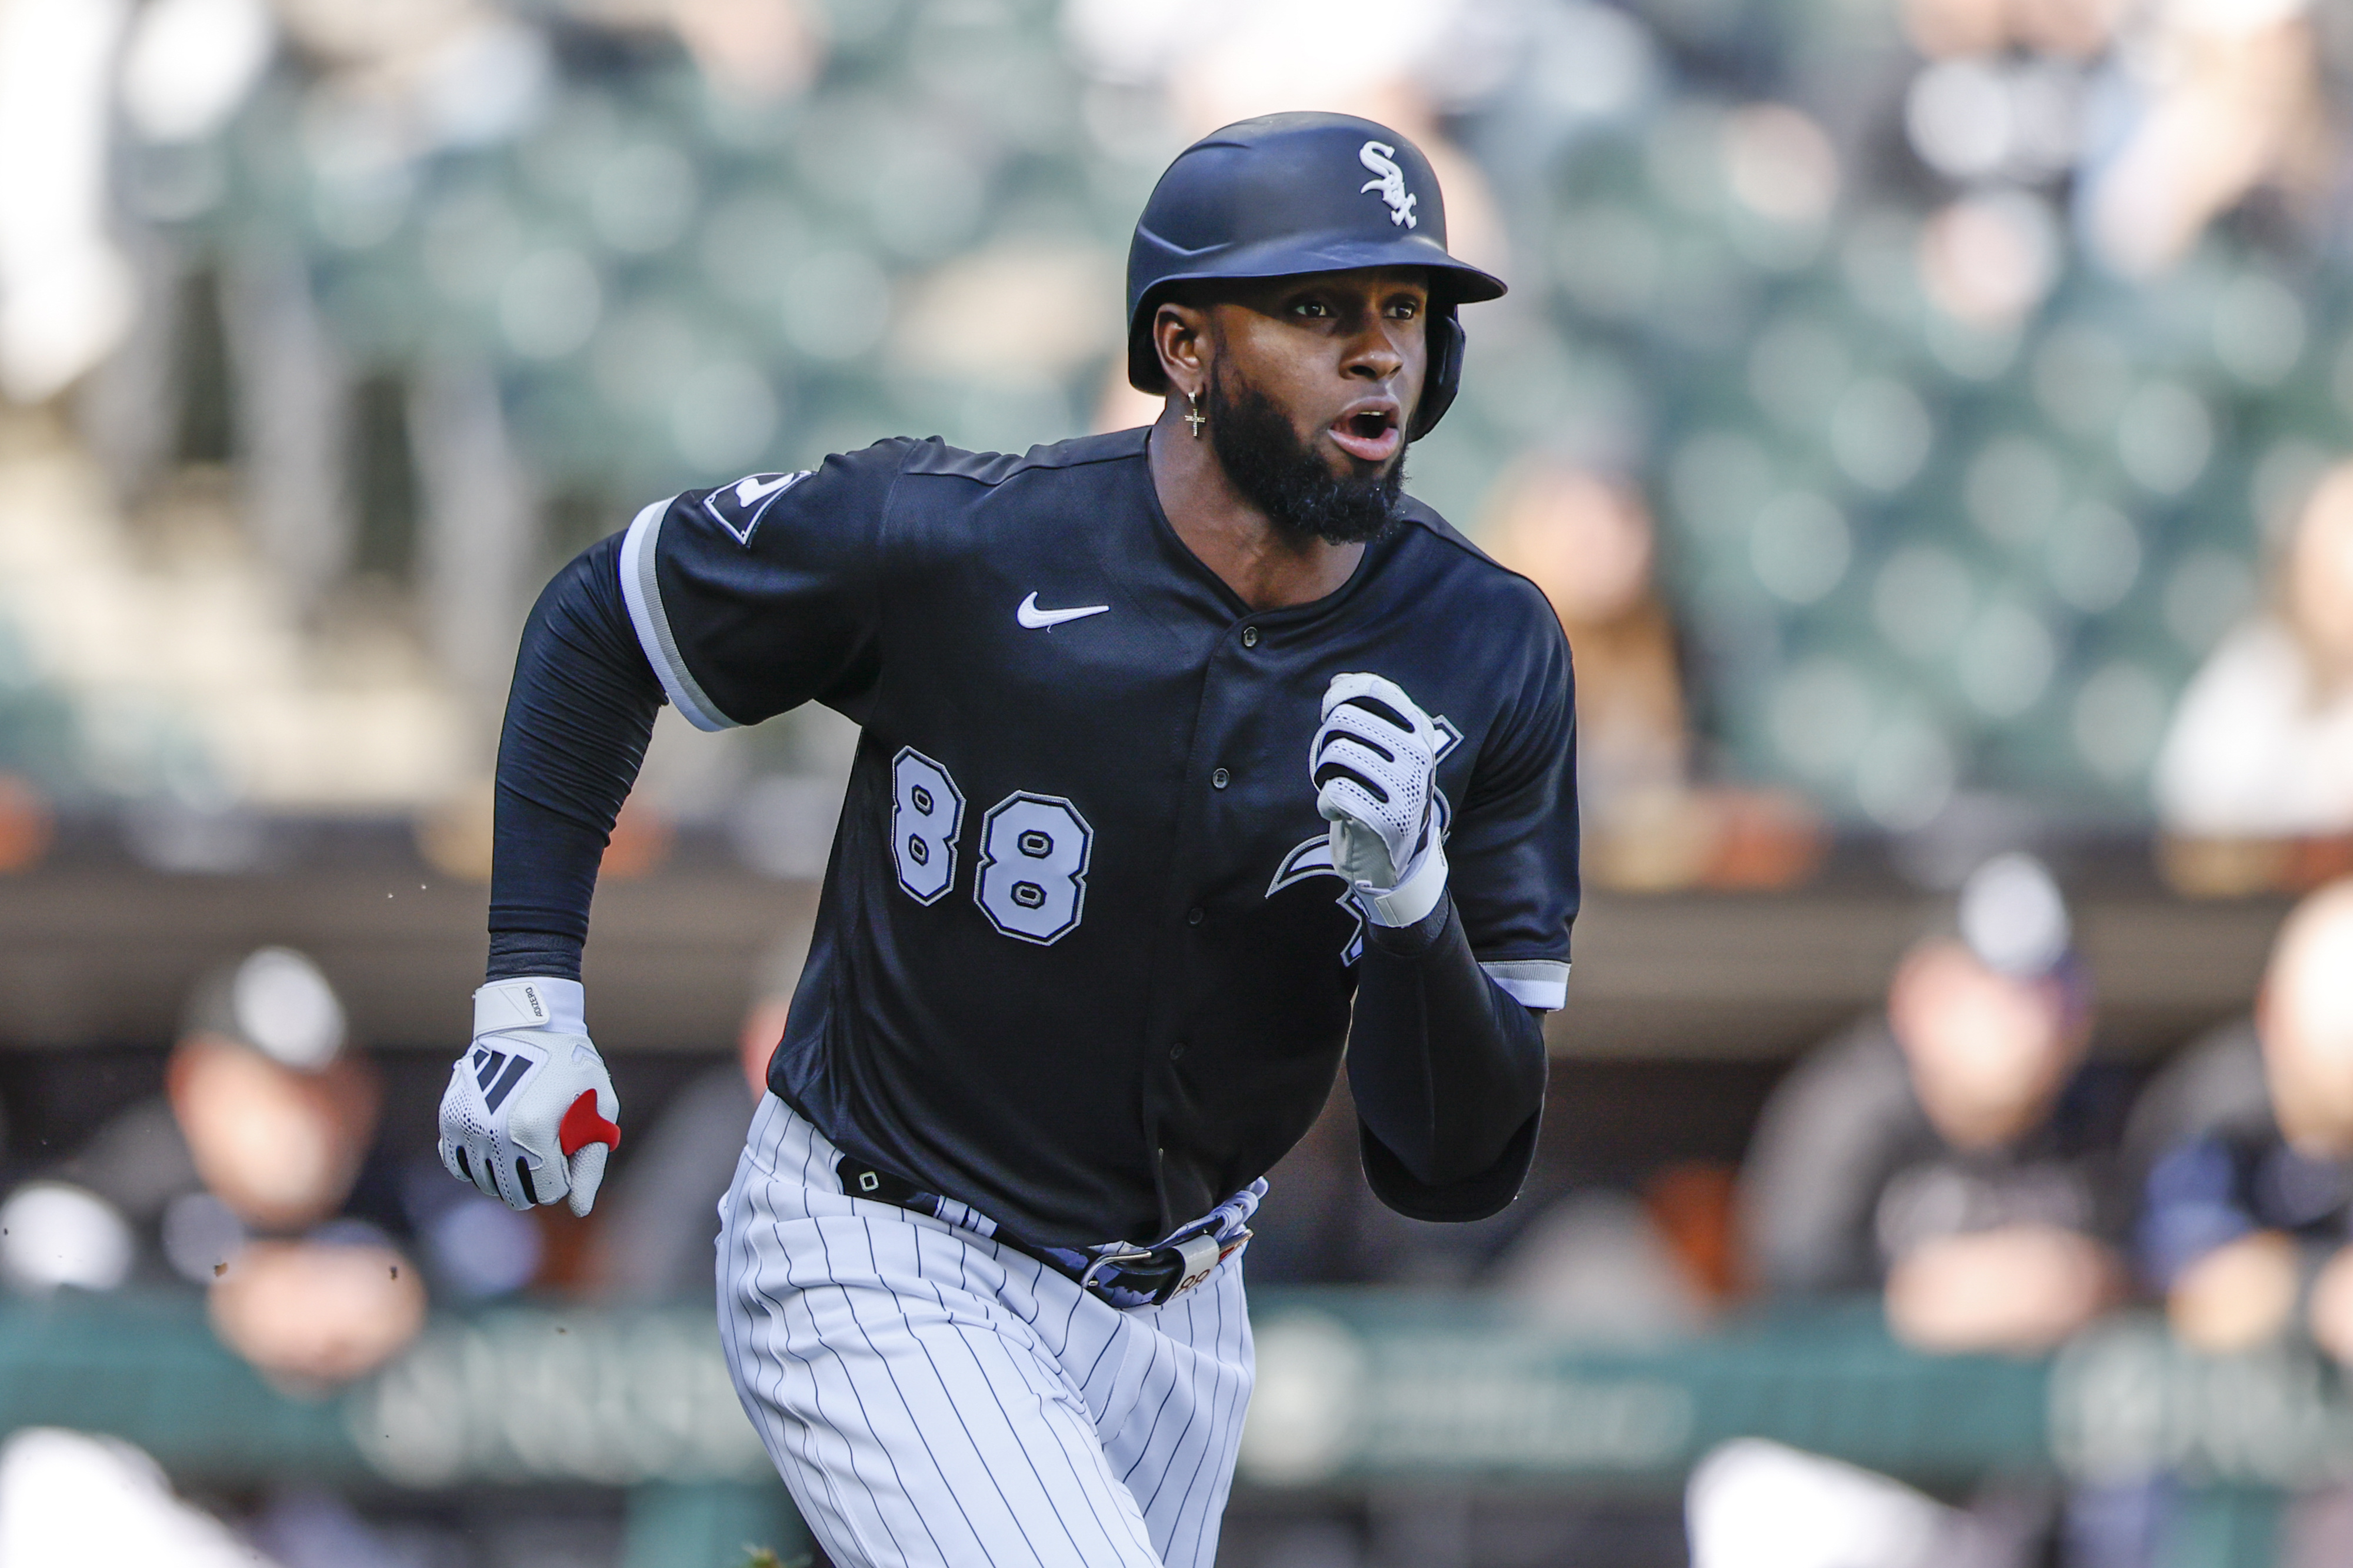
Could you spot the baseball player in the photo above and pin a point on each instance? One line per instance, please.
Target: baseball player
(1191, 755)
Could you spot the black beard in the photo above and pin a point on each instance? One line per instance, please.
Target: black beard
(1284, 479)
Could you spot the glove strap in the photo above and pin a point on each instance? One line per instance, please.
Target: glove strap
(1412, 899)
(560, 1006)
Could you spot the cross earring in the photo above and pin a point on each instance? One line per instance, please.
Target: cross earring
(1193, 415)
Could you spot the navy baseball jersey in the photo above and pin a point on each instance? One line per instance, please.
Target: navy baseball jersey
(1081, 959)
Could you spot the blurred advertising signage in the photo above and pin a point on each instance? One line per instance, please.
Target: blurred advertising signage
(1334, 1402)
(611, 1399)
(2127, 1402)
(1362, 1386)
(1353, 1386)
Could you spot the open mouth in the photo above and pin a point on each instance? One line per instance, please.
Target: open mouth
(1368, 433)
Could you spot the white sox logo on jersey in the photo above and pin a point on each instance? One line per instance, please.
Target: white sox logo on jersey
(1390, 182)
(1312, 856)
(738, 508)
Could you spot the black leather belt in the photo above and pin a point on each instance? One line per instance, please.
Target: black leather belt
(1120, 1274)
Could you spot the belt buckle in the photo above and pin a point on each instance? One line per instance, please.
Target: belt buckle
(1190, 1261)
(1114, 1257)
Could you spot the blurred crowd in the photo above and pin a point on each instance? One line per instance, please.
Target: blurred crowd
(1946, 1155)
(1956, 1154)
(1907, 403)
(264, 1174)
(1911, 407)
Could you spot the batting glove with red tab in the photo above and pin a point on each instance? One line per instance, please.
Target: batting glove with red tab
(530, 1115)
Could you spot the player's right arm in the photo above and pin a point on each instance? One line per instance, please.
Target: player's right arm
(530, 1115)
(735, 605)
(579, 716)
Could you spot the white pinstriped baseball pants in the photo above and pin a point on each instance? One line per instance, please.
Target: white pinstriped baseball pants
(937, 1400)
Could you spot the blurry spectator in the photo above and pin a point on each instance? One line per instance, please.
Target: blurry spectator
(2248, 1219)
(278, 1115)
(66, 291)
(2245, 1149)
(2261, 744)
(1590, 544)
(253, 1176)
(1931, 1155)
(1923, 1153)
(2201, 104)
(2223, 100)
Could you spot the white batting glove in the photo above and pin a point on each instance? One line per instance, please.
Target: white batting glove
(1374, 765)
(530, 1115)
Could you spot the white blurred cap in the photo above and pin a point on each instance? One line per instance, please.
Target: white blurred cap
(68, 1499)
(2013, 916)
(274, 1000)
(54, 1234)
(285, 1008)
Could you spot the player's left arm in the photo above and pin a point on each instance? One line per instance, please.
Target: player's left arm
(1446, 1054)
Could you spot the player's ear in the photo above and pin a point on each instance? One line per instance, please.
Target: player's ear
(1180, 334)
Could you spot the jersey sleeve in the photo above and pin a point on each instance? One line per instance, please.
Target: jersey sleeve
(1511, 847)
(757, 596)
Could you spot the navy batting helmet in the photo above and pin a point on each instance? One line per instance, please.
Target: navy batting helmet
(1287, 194)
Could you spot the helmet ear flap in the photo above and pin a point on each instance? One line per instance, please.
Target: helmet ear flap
(1144, 371)
(1446, 342)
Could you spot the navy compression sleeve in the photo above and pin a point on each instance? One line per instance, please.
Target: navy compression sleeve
(578, 719)
(1448, 1072)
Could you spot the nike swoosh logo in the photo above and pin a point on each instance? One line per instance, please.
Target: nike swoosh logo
(1031, 616)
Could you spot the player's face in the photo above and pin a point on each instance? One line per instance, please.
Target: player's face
(1342, 355)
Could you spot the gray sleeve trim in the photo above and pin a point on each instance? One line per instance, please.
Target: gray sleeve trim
(1540, 982)
(643, 593)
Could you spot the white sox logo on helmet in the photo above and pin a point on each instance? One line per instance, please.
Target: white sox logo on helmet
(1377, 156)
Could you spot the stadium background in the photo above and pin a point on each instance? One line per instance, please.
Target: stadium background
(1941, 377)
